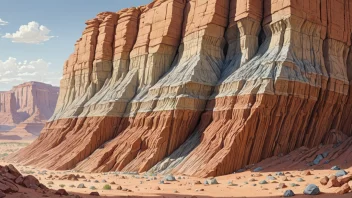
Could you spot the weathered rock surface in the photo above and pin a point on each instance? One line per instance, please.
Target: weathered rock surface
(201, 87)
(25, 109)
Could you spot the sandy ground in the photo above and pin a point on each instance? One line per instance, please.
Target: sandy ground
(141, 186)
(245, 184)
(8, 147)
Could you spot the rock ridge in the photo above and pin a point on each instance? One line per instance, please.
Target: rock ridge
(201, 87)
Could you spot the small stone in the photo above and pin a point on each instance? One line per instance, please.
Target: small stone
(169, 178)
(333, 182)
(306, 173)
(213, 181)
(335, 168)
(324, 180)
(175, 191)
(281, 186)
(293, 185)
(289, 193)
(161, 182)
(118, 187)
(279, 174)
(343, 189)
(81, 186)
(340, 173)
(311, 189)
(156, 188)
(271, 178)
(196, 182)
(300, 179)
(344, 179)
(258, 169)
(284, 178)
(94, 194)
(263, 182)
(61, 192)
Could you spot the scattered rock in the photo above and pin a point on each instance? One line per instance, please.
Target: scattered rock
(306, 173)
(333, 182)
(289, 193)
(284, 178)
(196, 182)
(258, 169)
(344, 189)
(61, 192)
(324, 180)
(156, 188)
(281, 186)
(119, 187)
(311, 189)
(340, 173)
(300, 179)
(94, 194)
(19, 180)
(213, 181)
(335, 168)
(30, 181)
(344, 179)
(169, 178)
(263, 182)
(81, 186)
(271, 178)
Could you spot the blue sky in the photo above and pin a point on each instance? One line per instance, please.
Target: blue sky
(34, 53)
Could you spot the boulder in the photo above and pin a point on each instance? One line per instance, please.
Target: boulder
(324, 180)
(30, 181)
(289, 193)
(344, 189)
(61, 192)
(311, 189)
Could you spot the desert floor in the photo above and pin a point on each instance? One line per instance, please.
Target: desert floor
(245, 184)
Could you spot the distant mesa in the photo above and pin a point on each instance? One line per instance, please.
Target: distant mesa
(25, 109)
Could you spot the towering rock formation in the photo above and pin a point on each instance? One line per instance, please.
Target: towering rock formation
(201, 87)
(25, 108)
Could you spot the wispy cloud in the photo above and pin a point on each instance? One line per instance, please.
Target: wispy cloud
(32, 33)
(13, 72)
(2, 22)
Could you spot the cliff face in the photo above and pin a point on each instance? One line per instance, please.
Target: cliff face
(201, 87)
(25, 108)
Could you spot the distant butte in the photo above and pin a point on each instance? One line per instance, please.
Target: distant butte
(201, 87)
(25, 109)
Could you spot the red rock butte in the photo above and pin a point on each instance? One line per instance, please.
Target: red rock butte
(25, 109)
(201, 87)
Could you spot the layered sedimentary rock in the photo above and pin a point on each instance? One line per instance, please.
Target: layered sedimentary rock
(25, 108)
(201, 87)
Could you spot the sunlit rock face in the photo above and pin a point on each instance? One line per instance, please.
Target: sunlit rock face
(201, 87)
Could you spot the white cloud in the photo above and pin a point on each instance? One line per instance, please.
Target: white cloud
(32, 33)
(2, 22)
(13, 72)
